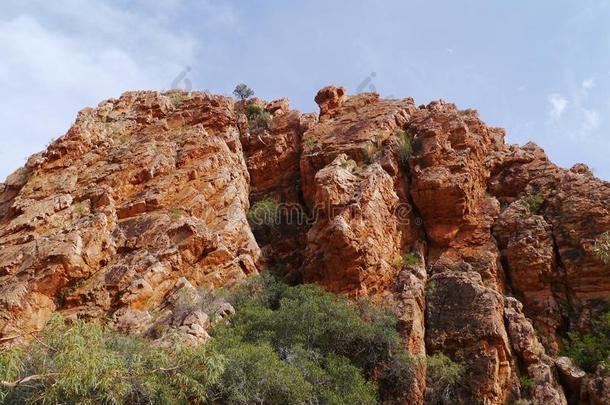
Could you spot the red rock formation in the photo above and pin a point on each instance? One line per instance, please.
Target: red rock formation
(530, 353)
(146, 198)
(141, 192)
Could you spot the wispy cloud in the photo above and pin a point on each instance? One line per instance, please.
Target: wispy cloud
(588, 84)
(558, 105)
(51, 72)
(591, 120)
(573, 114)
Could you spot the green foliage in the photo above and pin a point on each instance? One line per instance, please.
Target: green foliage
(66, 292)
(410, 259)
(258, 118)
(309, 143)
(256, 374)
(534, 202)
(405, 142)
(443, 376)
(590, 350)
(88, 364)
(601, 248)
(343, 349)
(526, 383)
(243, 92)
(284, 345)
(264, 213)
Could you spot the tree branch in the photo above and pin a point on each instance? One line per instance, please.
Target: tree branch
(15, 384)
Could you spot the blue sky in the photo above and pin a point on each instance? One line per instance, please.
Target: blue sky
(540, 69)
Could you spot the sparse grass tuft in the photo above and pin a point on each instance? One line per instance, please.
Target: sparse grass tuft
(176, 213)
(601, 248)
(176, 97)
(79, 208)
(405, 141)
(310, 143)
(534, 202)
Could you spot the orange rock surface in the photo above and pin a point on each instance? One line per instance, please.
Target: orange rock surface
(483, 250)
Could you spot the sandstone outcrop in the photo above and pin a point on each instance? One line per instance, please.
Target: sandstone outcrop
(485, 251)
(142, 192)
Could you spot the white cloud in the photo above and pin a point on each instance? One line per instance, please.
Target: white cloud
(591, 120)
(558, 105)
(588, 84)
(59, 58)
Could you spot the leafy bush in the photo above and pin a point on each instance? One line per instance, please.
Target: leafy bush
(284, 345)
(243, 92)
(88, 364)
(264, 213)
(256, 374)
(258, 118)
(410, 259)
(602, 247)
(534, 202)
(526, 383)
(344, 349)
(590, 350)
(443, 376)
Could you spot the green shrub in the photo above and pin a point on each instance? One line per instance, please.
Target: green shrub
(526, 383)
(258, 118)
(256, 374)
(410, 259)
(405, 142)
(264, 290)
(601, 248)
(590, 350)
(88, 364)
(284, 345)
(534, 202)
(309, 143)
(67, 291)
(345, 349)
(443, 376)
(264, 213)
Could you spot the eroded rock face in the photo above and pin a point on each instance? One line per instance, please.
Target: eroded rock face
(425, 209)
(355, 243)
(528, 249)
(530, 353)
(464, 319)
(141, 192)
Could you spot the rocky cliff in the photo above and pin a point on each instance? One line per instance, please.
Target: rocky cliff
(485, 251)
